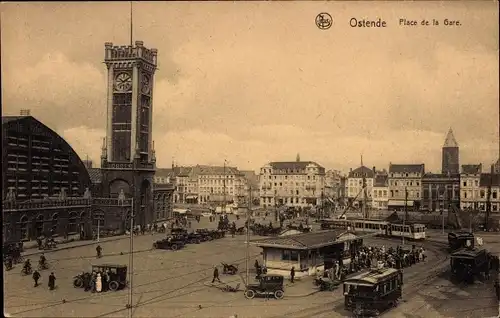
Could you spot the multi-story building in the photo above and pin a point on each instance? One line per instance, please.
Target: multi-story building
(203, 184)
(355, 185)
(489, 181)
(470, 178)
(405, 178)
(439, 190)
(380, 191)
(294, 183)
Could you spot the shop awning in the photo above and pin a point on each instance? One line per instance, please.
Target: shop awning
(400, 203)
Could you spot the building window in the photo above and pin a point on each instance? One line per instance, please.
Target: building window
(465, 194)
(476, 183)
(494, 195)
(465, 183)
(39, 226)
(24, 227)
(418, 183)
(289, 255)
(482, 194)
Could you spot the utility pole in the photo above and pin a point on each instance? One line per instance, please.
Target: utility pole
(224, 190)
(248, 235)
(488, 200)
(131, 260)
(404, 217)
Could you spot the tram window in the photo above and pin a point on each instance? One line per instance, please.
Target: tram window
(385, 288)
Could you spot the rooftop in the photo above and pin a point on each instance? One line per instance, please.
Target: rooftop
(360, 172)
(407, 168)
(450, 141)
(472, 169)
(302, 240)
(381, 180)
(295, 165)
(95, 175)
(7, 119)
(487, 179)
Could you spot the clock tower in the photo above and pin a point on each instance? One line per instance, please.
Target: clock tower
(450, 155)
(128, 158)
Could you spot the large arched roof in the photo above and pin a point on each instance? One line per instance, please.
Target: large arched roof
(32, 125)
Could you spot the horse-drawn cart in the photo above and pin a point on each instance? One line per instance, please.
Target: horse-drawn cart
(229, 269)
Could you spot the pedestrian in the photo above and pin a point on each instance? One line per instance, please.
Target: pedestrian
(36, 277)
(98, 285)
(94, 282)
(52, 281)
(216, 275)
(292, 274)
(104, 281)
(98, 249)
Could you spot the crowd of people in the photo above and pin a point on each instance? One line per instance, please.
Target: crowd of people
(371, 256)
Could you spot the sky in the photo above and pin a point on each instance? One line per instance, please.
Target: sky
(255, 82)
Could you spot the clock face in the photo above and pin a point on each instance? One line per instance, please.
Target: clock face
(146, 84)
(123, 82)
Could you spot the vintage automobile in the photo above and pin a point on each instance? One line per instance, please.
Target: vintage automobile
(373, 292)
(466, 264)
(169, 243)
(269, 285)
(184, 235)
(460, 239)
(117, 276)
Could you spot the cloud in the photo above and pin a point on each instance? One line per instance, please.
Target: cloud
(60, 92)
(85, 141)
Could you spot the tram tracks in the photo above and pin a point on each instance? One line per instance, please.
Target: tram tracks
(410, 287)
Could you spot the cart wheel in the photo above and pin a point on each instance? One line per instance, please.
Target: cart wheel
(174, 247)
(78, 283)
(249, 294)
(279, 294)
(113, 285)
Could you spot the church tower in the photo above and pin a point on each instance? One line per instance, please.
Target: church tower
(128, 158)
(450, 155)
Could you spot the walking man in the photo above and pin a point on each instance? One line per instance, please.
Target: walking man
(36, 277)
(216, 275)
(292, 274)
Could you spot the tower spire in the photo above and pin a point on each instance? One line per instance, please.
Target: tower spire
(450, 141)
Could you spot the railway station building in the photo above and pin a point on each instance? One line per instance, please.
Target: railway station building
(309, 253)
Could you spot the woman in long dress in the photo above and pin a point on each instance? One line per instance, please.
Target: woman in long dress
(98, 283)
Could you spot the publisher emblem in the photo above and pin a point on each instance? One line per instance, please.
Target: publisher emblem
(324, 21)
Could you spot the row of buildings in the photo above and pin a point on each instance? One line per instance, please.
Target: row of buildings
(469, 186)
(210, 185)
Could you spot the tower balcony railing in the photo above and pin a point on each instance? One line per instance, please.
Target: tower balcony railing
(127, 165)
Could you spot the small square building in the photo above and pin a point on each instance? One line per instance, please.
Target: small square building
(309, 253)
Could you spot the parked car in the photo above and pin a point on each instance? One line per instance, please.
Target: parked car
(268, 285)
(169, 243)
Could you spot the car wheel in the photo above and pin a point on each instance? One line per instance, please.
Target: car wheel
(174, 247)
(249, 294)
(113, 285)
(279, 294)
(78, 283)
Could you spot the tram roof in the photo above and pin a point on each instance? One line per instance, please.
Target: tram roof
(468, 253)
(373, 277)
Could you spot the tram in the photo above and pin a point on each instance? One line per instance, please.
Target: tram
(468, 263)
(371, 293)
(460, 239)
(413, 231)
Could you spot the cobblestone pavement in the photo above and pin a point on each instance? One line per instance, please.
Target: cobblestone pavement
(168, 284)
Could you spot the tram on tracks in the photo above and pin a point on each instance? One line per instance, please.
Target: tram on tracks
(372, 293)
(414, 231)
(469, 263)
